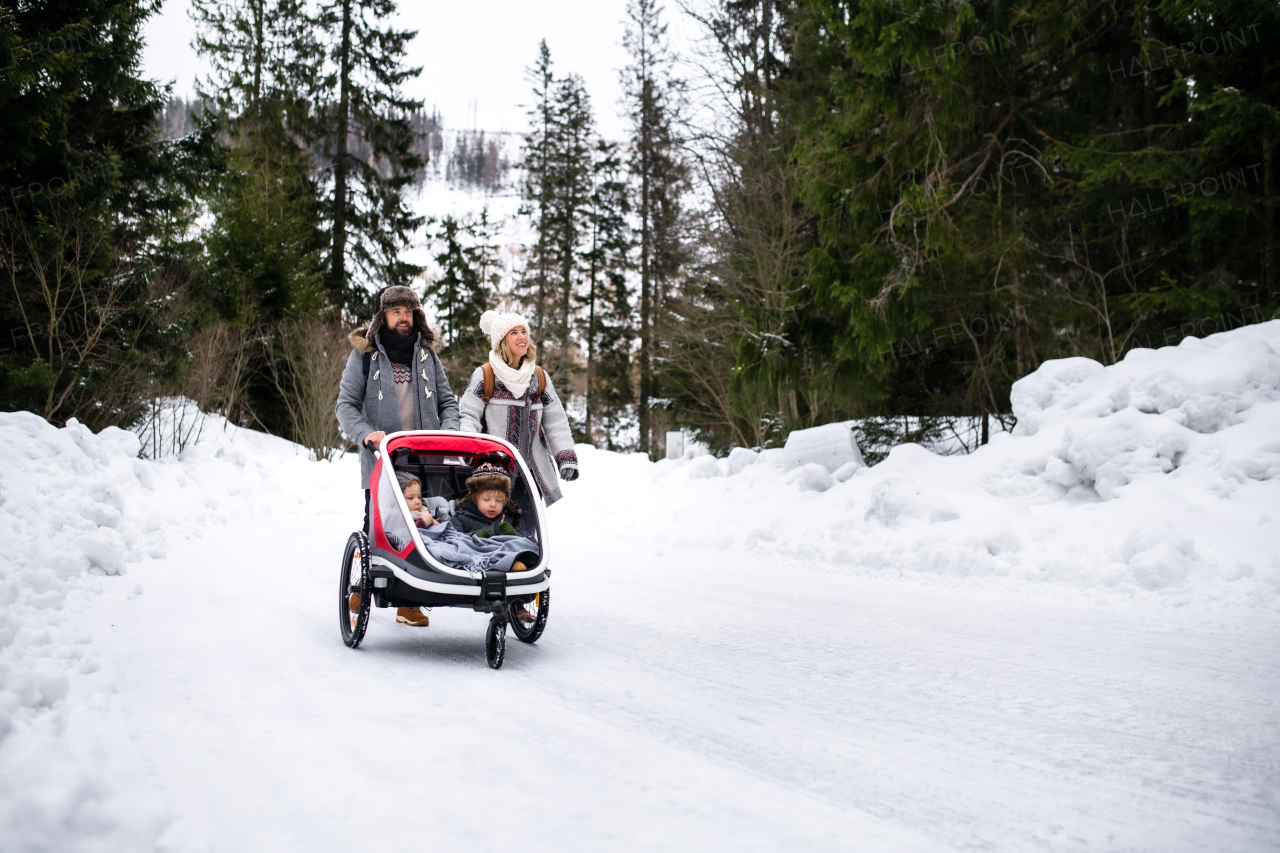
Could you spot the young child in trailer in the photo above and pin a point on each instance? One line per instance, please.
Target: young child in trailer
(411, 487)
(487, 510)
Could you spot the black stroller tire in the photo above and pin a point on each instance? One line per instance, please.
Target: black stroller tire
(353, 625)
(529, 632)
(495, 641)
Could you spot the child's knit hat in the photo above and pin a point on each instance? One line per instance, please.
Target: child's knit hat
(489, 478)
(404, 478)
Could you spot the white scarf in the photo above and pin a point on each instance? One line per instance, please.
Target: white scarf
(515, 380)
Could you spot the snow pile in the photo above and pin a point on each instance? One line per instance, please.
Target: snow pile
(1160, 474)
(62, 516)
(1150, 413)
(75, 509)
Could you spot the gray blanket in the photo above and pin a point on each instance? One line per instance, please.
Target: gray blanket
(468, 551)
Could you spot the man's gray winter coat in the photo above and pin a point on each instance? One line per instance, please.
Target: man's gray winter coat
(366, 406)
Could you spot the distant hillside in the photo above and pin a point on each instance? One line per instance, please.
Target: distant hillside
(467, 159)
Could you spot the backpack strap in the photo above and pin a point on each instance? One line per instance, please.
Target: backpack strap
(368, 357)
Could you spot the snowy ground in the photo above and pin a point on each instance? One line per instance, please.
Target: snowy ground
(993, 652)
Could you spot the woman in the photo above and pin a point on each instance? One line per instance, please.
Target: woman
(523, 408)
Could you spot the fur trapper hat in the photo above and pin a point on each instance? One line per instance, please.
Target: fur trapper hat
(489, 478)
(399, 296)
(497, 325)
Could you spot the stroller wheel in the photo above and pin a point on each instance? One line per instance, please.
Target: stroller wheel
(495, 640)
(353, 579)
(529, 630)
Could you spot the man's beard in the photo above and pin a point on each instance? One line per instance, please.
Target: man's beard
(403, 327)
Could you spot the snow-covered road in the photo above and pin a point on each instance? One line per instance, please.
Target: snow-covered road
(1068, 640)
(681, 699)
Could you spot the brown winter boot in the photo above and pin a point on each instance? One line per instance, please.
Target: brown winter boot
(353, 603)
(412, 616)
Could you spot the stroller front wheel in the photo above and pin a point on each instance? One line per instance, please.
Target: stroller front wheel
(495, 640)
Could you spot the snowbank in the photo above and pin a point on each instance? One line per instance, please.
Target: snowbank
(1158, 475)
(75, 509)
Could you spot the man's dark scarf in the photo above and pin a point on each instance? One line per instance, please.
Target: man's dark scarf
(399, 347)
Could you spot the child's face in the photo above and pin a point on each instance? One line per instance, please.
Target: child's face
(491, 503)
(413, 496)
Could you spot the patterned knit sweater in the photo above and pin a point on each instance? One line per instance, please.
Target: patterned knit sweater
(536, 424)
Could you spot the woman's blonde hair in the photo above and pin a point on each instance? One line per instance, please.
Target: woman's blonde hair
(508, 356)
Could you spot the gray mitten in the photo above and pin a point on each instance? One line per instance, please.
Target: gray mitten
(439, 508)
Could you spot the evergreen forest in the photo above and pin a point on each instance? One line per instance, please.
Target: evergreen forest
(882, 211)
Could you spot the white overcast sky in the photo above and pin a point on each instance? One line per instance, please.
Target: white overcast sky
(473, 55)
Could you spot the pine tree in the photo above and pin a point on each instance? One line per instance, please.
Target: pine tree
(370, 222)
(264, 58)
(661, 177)
(536, 192)
(470, 273)
(609, 326)
(557, 187)
(265, 238)
(263, 247)
(966, 191)
(96, 205)
(264, 244)
(740, 350)
(1172, 168)
(571, 166)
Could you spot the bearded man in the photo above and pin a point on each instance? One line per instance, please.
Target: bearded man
(393, 381)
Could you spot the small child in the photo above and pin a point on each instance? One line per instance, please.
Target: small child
(487, 509)
(411, 487)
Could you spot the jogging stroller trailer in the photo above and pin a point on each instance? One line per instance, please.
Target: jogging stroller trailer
(389, 565)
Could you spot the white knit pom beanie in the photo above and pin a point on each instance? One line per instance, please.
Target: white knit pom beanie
(497, 325)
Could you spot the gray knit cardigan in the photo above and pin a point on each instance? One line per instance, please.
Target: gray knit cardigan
(536, 425)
